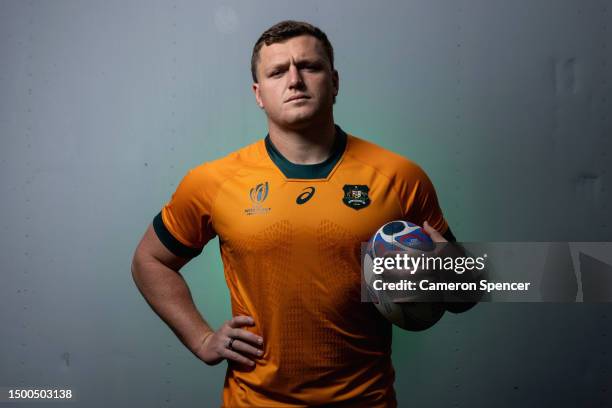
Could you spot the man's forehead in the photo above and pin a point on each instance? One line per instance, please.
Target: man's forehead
(301, 47)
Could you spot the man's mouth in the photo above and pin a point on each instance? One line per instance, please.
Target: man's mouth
(297, 97)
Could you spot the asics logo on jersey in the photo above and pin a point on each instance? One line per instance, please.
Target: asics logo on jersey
(305, 195)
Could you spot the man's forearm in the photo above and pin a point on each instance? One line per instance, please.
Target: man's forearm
(459, 301)
(168, 295)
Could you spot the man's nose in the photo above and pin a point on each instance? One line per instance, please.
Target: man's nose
(295, 78)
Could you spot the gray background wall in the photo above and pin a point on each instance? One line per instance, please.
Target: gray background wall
(104, 106)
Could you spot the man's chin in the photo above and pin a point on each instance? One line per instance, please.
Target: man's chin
(300, 121)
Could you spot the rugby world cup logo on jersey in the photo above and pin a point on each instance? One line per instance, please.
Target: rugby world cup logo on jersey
(356, 196)
(258, 195)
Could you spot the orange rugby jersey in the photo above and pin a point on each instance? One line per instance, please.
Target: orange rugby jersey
(290, 242)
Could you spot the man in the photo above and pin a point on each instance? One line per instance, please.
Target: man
(290, 212)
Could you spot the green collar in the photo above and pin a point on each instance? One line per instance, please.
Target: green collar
(308, 171)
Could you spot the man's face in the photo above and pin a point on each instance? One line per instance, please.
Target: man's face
(296, 85)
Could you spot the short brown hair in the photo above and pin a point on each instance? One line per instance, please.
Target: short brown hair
(284, 30)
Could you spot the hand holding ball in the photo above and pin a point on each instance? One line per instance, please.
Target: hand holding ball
(402, 237)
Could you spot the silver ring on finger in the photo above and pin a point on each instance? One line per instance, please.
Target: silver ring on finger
(230, 344)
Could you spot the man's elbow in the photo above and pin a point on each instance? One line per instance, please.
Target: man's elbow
(459, 307)
(137, 269)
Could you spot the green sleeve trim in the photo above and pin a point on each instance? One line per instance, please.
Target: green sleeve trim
(449, 236)
(174, 245)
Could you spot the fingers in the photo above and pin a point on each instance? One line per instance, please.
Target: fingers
(239, 321)
(235, 356)
(244, 344)
(433, 233)
(246, 348)
(233, 343)
(245, 336)
(240, 334)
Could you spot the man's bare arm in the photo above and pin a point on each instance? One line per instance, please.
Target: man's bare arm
(155, 270)
(455, 249)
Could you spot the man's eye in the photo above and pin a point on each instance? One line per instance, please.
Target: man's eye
(313, 67)
(275, 73)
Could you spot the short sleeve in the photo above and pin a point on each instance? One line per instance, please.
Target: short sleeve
(184, 224)
(422, 202)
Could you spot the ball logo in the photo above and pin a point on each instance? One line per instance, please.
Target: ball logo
(259, 193)
(400, 236)
(305, 195)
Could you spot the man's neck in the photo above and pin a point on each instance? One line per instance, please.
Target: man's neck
(309, 145)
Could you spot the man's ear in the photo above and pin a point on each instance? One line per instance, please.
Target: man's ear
(257, 95)
(336, 82)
